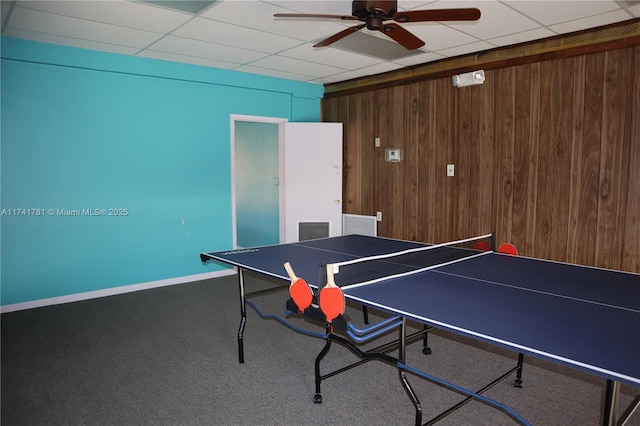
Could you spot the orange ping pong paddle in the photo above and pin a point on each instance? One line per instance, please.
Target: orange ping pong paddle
(332, 301)
(508, 248)
(299, 290)
(482, 246)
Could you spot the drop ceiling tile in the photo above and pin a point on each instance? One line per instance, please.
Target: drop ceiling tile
(202, 49)
(591, 22)
(466, 49)
(174, 57)
(438, 37)
(190, 6)
(123, 13)
(377, 69)
(419, 5)
(64, 26)
(536, 34)
(329, 56)
(362, 72)
(73, 42)
(259, 15)
(496, 19)
(419, 59)
(274, 73)
(633, 8)
(282, 63)
(553, 12)
(230, 35)
(329, 7)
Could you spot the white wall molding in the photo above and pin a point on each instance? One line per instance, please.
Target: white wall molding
(112, 291)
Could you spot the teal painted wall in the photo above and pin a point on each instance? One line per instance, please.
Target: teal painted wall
(83, 131)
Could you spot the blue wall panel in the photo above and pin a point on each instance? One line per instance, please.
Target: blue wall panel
(85, 130)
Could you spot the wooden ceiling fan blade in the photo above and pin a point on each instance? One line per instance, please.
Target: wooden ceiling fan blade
(402, 36)
(315, 16)
(342, 34)
(463, 14)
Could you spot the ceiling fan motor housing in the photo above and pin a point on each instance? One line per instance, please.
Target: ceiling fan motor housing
(364, 9)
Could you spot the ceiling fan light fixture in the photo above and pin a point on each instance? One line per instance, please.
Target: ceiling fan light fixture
(374, 24)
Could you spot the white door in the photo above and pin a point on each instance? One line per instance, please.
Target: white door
(313, 177)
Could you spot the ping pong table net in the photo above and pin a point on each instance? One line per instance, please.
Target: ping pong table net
(406, 262)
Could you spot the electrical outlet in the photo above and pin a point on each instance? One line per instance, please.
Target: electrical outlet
(379, 216)
(451, 170)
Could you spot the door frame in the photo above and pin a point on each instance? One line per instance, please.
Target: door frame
(257, 119)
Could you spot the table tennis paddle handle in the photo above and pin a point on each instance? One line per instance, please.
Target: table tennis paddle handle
(299, 290)
(331, 300)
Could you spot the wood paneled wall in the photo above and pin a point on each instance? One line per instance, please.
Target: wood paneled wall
(546, 154)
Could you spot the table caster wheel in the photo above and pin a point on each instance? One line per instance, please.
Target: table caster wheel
(518, 383)
(317, 399)
(426, 350)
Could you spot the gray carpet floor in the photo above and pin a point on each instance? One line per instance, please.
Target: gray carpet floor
(168, 356)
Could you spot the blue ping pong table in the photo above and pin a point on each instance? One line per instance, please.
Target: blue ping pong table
(578, 316)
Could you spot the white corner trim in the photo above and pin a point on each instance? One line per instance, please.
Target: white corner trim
(112, 291)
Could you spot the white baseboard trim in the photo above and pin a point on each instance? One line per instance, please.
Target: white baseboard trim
(112, 291)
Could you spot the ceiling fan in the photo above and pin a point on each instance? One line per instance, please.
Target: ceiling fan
(375, 13)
